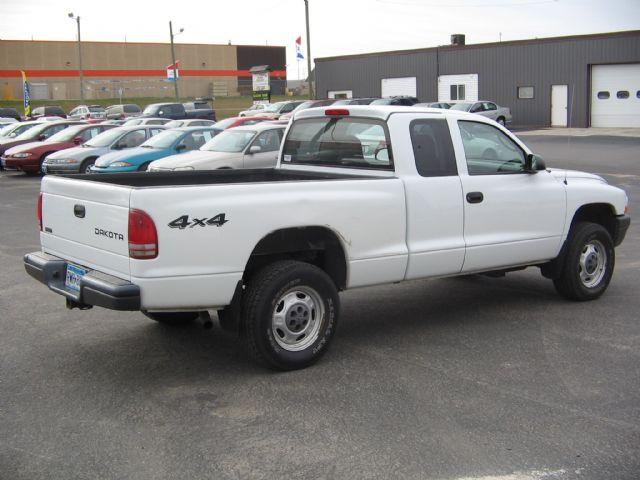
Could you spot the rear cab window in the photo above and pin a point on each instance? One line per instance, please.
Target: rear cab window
(346, 142)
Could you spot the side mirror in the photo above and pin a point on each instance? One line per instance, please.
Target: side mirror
(78, 140)
(119, 146)
(255, 149)
(181, 147)
(534, 163)
(42, 137)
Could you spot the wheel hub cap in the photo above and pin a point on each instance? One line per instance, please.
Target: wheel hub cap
(593, 263)
(297, 318)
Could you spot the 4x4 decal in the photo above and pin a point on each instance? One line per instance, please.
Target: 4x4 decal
(183, 221)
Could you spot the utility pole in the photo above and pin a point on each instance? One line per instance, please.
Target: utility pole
(173, 60)
(306, 13)
(77, 19)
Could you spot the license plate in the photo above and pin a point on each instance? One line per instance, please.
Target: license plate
(74, 274)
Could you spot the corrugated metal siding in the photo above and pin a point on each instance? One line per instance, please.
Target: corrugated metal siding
(500, 68)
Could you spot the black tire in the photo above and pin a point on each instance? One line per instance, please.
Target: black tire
(266, 292)
(144, 167)
(172, 318)
(84, 166)
(501, 121)
(573, 282)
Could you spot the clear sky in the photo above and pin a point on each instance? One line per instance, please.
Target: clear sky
(338, 27)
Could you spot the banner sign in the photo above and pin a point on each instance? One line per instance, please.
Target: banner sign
(26, 97)
(173, 72)
(262, 97)
(261, 82)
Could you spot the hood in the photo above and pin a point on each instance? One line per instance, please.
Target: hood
(576, 174)
(133, 155)
(22, 147)
(7, 145)
(194, 159)
(77, 152)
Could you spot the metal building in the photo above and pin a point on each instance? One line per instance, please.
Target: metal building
(133, 69)
(586, 80)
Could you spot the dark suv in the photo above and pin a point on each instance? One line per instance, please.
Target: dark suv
(9, 113)
(48, 111)
(120, 112)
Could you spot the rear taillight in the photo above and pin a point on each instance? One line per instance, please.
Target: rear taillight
(336, 111)
(39, 210)
(122, 117)
(143, 237)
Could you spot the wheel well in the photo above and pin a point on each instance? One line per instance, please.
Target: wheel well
(316, 245)
(600, 213)
(43, 156)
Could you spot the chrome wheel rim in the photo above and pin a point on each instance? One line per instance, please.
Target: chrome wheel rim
(297, 317)
(593, 263)
(87, 169)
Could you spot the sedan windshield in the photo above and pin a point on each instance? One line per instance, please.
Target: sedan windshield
(275, 107)
(105, 138)
(163, 139)
(151, 109)
(16, 129)
(229, 141)
(464, 106)
(33, 132)
(66, 134)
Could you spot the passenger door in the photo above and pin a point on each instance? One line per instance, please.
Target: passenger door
(269, 146)
(511, 217)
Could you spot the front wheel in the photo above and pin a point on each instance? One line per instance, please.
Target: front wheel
(589, 263)
(501, 121)
(144, 167)
(289, 314)
(86, 165)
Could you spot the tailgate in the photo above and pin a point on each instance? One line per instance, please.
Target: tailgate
(86, 222)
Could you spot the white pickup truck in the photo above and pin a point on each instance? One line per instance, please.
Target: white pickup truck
(361, 195)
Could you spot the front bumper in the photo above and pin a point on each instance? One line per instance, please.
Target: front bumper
(60, 167)
(94, 169)
(25, 164)
(96, 288)
(620, 227)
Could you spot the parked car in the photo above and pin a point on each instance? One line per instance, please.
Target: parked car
(49, 118)
(29, 157)
(254, 146)
(189, 123)
(90, 113)
(355, 101)
(444, 105)
(399, 100)
(10, 113)
(14, 129)
(271, 248)
(113, 122)
(177, 111)
(81, 158)
(169, 142)
(253, 109)
(502, 115)
(122, 111)
(46, 111)
(4, 121)
(146, 121)
(307, 104)
(37, 133)
(275, 110)
(232, 122)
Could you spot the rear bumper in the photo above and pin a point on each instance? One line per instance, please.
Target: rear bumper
(96, 288)
(620, 228)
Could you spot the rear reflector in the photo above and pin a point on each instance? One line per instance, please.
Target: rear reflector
(39, 210)
(143, 238)
(336, 111)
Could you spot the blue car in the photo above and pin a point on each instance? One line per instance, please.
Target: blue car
(169, 142)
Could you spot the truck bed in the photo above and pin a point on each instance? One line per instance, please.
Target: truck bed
(167, 179)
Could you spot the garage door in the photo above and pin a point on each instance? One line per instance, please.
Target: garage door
(615, 95)
(458, 88)
(392, 87)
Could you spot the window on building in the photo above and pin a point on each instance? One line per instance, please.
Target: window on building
(457, 92)
(432, 148)
(525, 92)
(622, 94)
(603, 95)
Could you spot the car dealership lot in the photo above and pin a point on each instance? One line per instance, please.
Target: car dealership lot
(465, 377)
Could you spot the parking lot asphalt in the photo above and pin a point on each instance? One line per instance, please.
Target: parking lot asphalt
(475, 377)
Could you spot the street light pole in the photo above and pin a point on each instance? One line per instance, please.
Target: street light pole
(173, 60)
(306, 13)
(77, 19)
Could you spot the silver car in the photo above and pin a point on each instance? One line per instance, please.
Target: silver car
(502, 115)
(253, 146)
(81, 158)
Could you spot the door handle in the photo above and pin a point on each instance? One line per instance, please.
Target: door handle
(79, 211)
(475, 197)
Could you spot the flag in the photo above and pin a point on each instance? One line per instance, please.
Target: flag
(299, 55)
(26, 102)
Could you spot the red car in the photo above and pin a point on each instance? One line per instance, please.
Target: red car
(237, 121)
(28, 157)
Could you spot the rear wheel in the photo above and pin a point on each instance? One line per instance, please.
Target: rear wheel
(172, 318)
(501, 121)
(589, 263)
(289, 315)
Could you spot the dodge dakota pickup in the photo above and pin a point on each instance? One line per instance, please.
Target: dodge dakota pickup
(361, 195)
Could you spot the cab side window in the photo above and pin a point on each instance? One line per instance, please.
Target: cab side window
(432, 148)
(489, 151)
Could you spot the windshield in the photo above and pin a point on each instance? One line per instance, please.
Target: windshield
(32, 132)
(338, 142)
(135, 121)
(382, 101)
(96, 109)
(66, 134)
(15, 129)
(224, 124)
(275, 107)
(105, 138)
(229, 141)
(464, 106)
(163, 139)
(150, 109)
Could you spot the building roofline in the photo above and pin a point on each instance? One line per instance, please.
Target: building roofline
(109, 42)
(531, 41)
